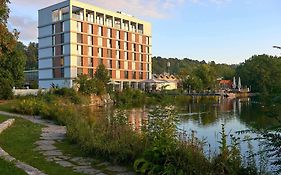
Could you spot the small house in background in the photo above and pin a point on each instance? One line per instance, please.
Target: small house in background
(169, 82)
(225, 84)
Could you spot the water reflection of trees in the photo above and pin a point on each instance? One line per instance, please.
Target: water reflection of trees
(204, 115)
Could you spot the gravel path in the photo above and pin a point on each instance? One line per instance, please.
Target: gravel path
(53, 133)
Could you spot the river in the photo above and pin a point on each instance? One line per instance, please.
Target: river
(206, 120)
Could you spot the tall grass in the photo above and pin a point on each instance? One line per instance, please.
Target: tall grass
(159, 149)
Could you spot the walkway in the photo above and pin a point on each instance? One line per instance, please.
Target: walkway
(52, 133)
(5, 156)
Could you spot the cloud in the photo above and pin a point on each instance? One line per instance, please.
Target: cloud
(143, 8)
(218, 2)
(26, 26)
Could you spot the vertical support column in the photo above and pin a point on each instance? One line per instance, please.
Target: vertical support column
(84, 14)
(95, 17)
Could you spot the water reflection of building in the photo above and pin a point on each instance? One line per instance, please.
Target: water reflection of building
(137, 118)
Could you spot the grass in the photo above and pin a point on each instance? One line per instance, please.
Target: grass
(69, 148)
(19, 141)
(7, 106)
(3, 118)
(7, 168)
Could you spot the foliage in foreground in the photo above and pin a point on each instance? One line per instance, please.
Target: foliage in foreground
(158, 149)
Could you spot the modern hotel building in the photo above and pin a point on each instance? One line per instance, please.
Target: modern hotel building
(75, 37)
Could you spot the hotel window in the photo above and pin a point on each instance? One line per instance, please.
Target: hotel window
(134, 75)
(118, 43)
(100, 61)
(141, 75)
(134, 47)
(109, 63)
(54, 51)
(54, 40)
(100, 33)
(110, 73)
(79, 61)
(100, 18)
(126, 25)
(90, 40)
(79, 27)
(109, 53)
(109, 33)
(62, 26)
(126, 46)
(61, 72)
(133, 57)
(79, 50)
(118, 34)
(126, 36)
(117, 23)
(55, 15)
(126, 74)
(90, 16)
(118, 64)
(62, 61)
(78, 13)
(62, 38)
(140, 57)
(79, 38)
(140, 48)
(147, 58)
(62, 48)
(147, 40)
(109, 22)
(90, 62)
(100, 52)
(126, 55)
(79, 71)
(147, 67)
(109, 43)
(117, 54)
(133, 27)
(53, 28)
(100, 41)
(91, 73)
(90, 29)
(90, 51)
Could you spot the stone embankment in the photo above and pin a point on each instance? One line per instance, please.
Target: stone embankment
(5, 156)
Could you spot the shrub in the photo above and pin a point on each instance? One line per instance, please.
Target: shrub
(6, 91)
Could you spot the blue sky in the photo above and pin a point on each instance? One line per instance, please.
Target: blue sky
(226, 31)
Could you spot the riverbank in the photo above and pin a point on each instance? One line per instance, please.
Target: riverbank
(111, 137)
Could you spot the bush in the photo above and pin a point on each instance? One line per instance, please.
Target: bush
(6, 87)
(69, 93)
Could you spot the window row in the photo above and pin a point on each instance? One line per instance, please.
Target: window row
(109, 33)
(103, 19)
(89, 62)
(90, 72)
(109, 54)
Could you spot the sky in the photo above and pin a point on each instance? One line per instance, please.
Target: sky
(224, 31)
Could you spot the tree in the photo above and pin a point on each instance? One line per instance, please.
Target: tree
(11, 56)
(32, 56)
(102, 74)
(262, 73)
(96, 85)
